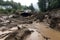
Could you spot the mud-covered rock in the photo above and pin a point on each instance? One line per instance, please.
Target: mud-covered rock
(54, 17)
(19, 34)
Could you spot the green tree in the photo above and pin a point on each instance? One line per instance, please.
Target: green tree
(31, 7)
(53, 4)
(42, 5)
(11, 3)
(1, 2)
(19, 6)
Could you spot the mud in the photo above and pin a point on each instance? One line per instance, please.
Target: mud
(25, 28)
(21, 34)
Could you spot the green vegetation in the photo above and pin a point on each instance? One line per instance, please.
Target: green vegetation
(31, 7)
(42, 5)
(52, 4)
(11, 6)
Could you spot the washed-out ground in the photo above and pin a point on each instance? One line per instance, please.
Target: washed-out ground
(47, 32)
(41, 32)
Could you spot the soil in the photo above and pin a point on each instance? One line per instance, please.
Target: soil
(26, 29)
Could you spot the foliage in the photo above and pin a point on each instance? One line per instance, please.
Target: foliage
(25, 7)
(42, 5)
(52, 4)
(31, 7)
(15, 6)
(11, 3)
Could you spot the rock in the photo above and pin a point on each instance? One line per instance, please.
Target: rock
(19, 34)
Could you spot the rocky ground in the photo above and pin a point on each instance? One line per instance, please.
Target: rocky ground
(16, 29)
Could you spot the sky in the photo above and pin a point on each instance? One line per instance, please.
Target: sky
(28, 2)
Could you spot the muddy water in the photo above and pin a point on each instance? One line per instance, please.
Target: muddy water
(7, 31)
(47, 32)
(43, 32)
(35, 36)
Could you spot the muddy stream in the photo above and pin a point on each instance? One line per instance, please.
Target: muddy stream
(41, 32)
(47, 32)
